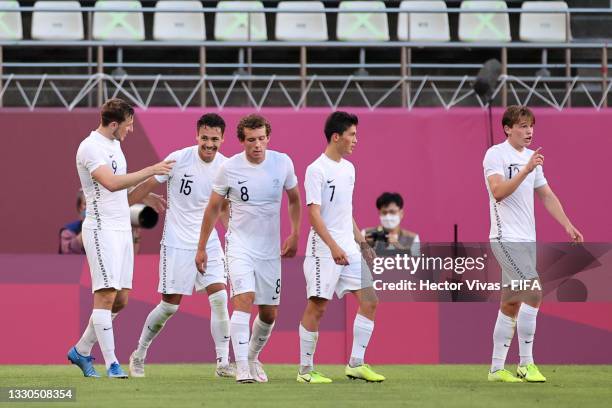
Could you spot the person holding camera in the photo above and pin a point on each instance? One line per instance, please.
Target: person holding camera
(142, 215)
(389, 235)
(70, 238)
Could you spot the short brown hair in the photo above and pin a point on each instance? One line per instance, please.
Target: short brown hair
(115, 110)
(515, 113)
(252, 121)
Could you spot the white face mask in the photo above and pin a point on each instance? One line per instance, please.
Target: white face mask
(390, 221)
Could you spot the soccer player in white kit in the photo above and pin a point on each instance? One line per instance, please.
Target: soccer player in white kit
(253, 181)
(107, 232)
(189, 185)
(512, 174)
(333, 261)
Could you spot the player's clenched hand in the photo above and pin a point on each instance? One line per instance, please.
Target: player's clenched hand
(340, 257)
(574, 234)
(201, 260)
(156, 202)
(290, 246)
(163, 168)
(536, 160)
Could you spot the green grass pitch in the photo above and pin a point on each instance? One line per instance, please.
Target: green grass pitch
(194, 385)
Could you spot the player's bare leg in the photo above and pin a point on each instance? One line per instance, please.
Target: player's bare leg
(220, 328)
(152, 327)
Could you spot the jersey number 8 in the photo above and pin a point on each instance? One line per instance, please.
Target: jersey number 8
(244, 193)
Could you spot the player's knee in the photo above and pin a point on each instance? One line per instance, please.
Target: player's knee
(369, 306)
(268, 316)
(533, 298)
(510, 308)
(319, 310)
(316, 307)
(119, 304)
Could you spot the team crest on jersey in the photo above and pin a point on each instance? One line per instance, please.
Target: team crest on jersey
(276, 183)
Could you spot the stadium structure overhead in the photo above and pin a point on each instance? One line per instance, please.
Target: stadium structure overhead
(306, 53)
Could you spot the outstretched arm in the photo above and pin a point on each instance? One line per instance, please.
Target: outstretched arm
(553, 206)
(113, 182)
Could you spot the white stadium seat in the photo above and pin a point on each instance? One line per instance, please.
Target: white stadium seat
(233, 26)
(10, 23)
(61, 25)
(168, 26)
(117, 25)
(544, 27)
(362, 26)
(423, 26)
(301, 26)
(493, 27)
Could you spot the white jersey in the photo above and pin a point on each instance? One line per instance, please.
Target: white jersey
(513, 218)
(330, 184)
(255, 192)
(188, 192)
(105, 209)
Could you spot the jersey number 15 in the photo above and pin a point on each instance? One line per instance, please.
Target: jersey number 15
(185, 186)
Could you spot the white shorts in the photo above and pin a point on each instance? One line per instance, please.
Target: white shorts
(516, 259)
(178, 273)
(110, 255)
(261, 276)
(324, 276)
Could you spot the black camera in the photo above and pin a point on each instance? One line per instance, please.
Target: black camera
(143, 216)
(379, 234)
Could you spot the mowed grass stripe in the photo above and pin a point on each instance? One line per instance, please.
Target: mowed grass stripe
(194, 385)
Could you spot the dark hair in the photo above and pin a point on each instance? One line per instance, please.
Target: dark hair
(211, 120)
(514, 113)
(252, 121)
(115, 110)
(389, 198)
(338, 122)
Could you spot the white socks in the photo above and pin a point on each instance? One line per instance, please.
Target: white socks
(362, 330)
(103, 327)
(526, 326)
(239, 329)
(308, 344)
(220, 325)
(153, 325)
(502, 337)
(259, 338)
(89, 338)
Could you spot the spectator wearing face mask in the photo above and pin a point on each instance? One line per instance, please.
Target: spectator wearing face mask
(389, 235)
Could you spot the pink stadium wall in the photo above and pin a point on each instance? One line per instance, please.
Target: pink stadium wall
(433, 157)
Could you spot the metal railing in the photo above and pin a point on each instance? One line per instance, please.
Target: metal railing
(399, 82)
